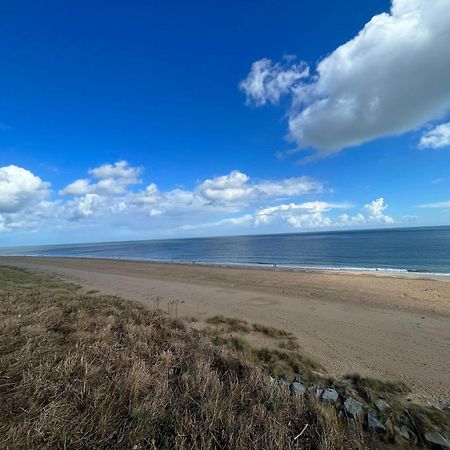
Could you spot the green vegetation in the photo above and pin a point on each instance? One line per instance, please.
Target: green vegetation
(230, 324)
(370, 388)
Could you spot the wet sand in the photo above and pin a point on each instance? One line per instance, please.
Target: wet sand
(383, 325)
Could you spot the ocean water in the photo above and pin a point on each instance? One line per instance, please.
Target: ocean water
(425, 250)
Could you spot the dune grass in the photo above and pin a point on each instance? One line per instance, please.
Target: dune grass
(81, 370)
(238, 325)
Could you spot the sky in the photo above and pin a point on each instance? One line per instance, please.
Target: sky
(142, 119)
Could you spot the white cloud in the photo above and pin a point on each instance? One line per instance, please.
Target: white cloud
(226, 202)
(438, 137)
(375, 211)
(289, 187)
(112, 179)
(372, 213)
(18, 188)
(314, 214)
(267, 82)
(120, 169)
(237, 186)
(440, 205)
(226, 188)
(303, 215)
(394, 76)
(84, 206)
(236, 221)
(78, 187)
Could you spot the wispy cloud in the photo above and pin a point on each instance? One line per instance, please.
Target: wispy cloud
(440, 205)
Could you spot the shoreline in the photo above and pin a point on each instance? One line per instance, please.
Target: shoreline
(261, 265)
(384, 325)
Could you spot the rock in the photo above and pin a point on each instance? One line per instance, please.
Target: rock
(382, 405)
(297, 389)
(374, 422)
(330, 396)
(298, 379)
(405, 432)
(435, 440)
(318, 392)
(353, 407)
(341, 414)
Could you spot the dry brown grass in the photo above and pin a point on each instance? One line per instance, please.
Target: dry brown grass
(92, 371)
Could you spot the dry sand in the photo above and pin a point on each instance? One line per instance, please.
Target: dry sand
(391, 326)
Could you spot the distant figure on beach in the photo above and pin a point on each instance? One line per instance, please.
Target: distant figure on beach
(275, 265)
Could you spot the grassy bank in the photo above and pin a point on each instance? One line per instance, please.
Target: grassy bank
(84, 370)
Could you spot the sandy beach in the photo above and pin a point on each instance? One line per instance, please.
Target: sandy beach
(383, 325)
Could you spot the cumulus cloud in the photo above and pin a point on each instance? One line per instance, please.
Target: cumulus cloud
(372, 213)
(230, 201)
(299, 215)
(237, 186)
(18, 188)
(22, 198)
(84, 206)
(110, 179)
(394, 76)
(231, 187)
(438, 137)
(314, 214)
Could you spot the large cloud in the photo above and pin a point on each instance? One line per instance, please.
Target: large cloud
(394, 76)
(18, 188)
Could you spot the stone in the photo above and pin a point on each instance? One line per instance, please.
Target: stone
(318, 392)
(330, 396)
(297, 389)
(298, 379)
(382, 405)
(353, 407)
(405, 432)
(435, 440)
(374, 422)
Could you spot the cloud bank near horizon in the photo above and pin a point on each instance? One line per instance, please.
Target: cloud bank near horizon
(391, 78)
(112, 196)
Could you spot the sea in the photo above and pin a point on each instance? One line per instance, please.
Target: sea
(408, 250)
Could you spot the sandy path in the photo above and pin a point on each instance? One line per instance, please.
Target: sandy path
(395, 327)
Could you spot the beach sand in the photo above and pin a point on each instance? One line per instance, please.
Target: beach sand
(395, 327)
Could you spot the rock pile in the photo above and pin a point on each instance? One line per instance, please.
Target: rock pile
(377, 416)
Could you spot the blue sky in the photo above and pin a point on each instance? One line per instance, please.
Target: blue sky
(210, 118)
